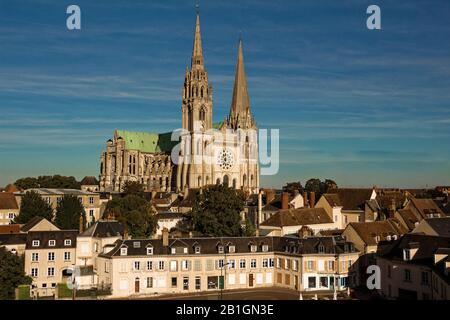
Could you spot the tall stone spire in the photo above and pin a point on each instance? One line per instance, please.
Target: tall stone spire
(240, 114)
(197, 52)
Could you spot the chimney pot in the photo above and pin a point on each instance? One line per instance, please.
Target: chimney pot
(165, 237)
(284, 201)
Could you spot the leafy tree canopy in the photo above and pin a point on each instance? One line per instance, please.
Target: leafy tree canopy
(291, 187)
(217, 211)
(68, 213)
(56, 181)
(134, 188)
(319, 187)
(33, 205)
(135, 213)
(11, 274)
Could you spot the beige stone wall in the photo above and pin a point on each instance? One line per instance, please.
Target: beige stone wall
(7, 216)
(126, 281)
(42, 278)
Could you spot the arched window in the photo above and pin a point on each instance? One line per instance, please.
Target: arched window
(226, 181)
(218, 181)
(190, 119)
(244, 180)
(234, 183)
(199, 181)
(202, 114)
(196, 92)
(201, 92)
(207, 180)
(251, 180)
(160, 182)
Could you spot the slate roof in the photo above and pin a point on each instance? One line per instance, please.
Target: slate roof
(30, 224)
(13, 238)
(89, 181)
(104, 229)
(440, 225)
(427, 247)
(8, 201)
(409, 217)
(349, 199)
(368, 231)
(330, 245)
(59, 236)
(426, 207)
(385, 198)
(298, 217)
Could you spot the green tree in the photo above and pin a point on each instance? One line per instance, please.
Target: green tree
(133, 188)
(11, 274)
(33, 205)
(55, 181)
(249, 229)
(291, 187)
(216, 211)
(320, 187)
(135, 213)
(68, 213)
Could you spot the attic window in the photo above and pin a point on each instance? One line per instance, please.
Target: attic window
(51, 243)
(406, 254)
(35, 243)
(231, 248)
(67, 242)
(136, 244)
(265, 248)
(220, 248)
(322, 249)
(253, 248)
(149, 251)
(197, 249)
(123, 251)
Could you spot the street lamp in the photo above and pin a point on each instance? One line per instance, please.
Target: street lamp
(222, 277)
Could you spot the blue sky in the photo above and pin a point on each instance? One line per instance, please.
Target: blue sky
(362, 107)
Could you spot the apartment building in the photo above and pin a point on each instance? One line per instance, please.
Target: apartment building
(89, 200)
(416, 267)
(48, 256)
(156, 266)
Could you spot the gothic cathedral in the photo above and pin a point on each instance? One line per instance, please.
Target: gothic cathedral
(206, 152)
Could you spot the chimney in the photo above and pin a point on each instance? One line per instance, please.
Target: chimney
(312, 200)
(81, 225)
(165, 237)
(305, 198)
(270, 195)
(284, 201)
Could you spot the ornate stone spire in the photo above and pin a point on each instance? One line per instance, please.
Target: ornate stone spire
(197, 52)
(240, 114)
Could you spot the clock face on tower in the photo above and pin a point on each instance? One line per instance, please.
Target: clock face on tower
(225, 159)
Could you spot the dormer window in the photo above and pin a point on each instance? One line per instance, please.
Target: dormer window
(35, 243)
(231, 248)
(322, 249)
(406, 254)
(220, 248)
(136, 244)
(197, 249)
(173, 250)
(51, 243)
(149, 251)
(265, 248)
(67, 242)
(185, 250)
(123, 251)
(253, 248)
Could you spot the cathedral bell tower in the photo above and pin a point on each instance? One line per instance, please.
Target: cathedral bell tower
(197, 93)
(196, 119)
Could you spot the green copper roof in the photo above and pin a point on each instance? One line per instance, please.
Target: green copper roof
(147, 141)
